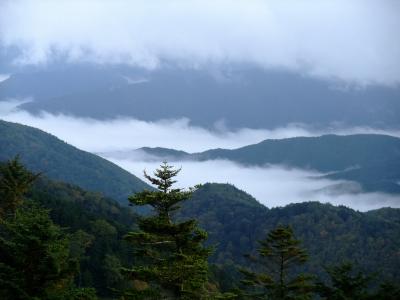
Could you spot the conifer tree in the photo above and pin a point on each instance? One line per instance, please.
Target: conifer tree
(35, 260)
(345, 284)
(15, 181)
(280, 253)
(173, 261)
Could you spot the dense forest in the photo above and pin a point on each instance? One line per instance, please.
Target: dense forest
(43, 152)
(58, 241)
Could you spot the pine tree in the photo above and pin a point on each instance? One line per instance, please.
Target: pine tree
(15, 181)
(34, 255)
(280, 253)
(345, 284)
(35, 259)
(173, 261)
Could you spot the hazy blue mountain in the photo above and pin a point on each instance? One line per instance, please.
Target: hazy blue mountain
(369, 159)
(42, 152)
(240, 96)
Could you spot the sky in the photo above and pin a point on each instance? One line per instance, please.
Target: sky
(354, 41)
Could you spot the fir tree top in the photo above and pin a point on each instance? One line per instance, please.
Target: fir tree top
(165, 198)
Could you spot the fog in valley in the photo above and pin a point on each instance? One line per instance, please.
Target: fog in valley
(271, 185)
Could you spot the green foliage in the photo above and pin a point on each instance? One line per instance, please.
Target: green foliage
(15, 181)
(345, 284)
(35, 259)
(279, 255)
(96, 226)
(387, 291)
(42, 152)
(235, 222)
(173, 260)
(86, 256)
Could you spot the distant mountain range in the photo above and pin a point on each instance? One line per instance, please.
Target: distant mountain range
(371, 160)
(43, 152)
(241, 96)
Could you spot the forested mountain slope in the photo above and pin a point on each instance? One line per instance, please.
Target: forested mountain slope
(236, 221)
(42, 152)
(369, 159)
(96, 225)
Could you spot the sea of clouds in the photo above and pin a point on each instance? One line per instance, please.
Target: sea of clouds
(271, 185)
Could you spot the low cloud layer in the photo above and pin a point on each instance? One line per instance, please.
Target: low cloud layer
(355, 41)
(124, 134)
(272, 186)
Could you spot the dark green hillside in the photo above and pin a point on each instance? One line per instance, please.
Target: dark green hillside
(325, 153)
(167, 154)
(99, 221)
(369, 159)
(383, 176)
(386, 213)
(94, 226)
(74, 207)
(235, 222)
(42, 152)
(229, 216)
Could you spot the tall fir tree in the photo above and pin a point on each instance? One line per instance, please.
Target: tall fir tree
(345, 284)
(35, 259)
(173, 260)
(15, 181)
(280, 253)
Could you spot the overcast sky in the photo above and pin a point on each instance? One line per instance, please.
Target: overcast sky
(355, 40)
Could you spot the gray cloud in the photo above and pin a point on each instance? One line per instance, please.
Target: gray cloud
(4, 77)
(355, 41)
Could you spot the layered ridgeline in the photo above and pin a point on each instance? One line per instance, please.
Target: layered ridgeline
(236, 222)
(43, 152)
(371, 160)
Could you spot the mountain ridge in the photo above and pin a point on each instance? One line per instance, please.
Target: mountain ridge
(43, 152)
(373, 160)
